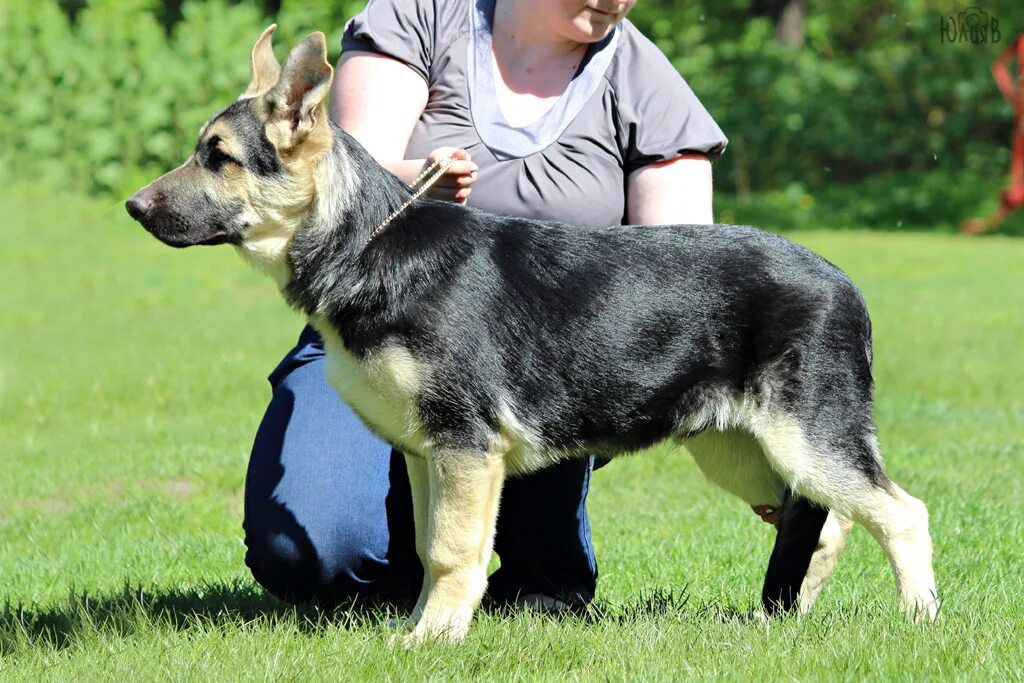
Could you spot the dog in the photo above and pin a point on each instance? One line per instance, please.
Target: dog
(484, 346)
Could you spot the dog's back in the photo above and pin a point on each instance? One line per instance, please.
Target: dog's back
(612, 339)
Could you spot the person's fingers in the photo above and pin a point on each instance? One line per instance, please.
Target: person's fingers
(450, 196)
(461, 168)
(768, 513)
(454, 184)
(461, 165)
(448, 152)
(442, 153)
(447, 189)
(455, 181)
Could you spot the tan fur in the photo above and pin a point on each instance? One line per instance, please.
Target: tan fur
(898, 521)
(263, 64)
(831, 542)
(522, 445)
(297, 97)
(789, 453)
(280, 205)
(277, 208)
(455, 495)
(733, 460)
(381, 388)
(465, 490)
(228, 141)
(419, 484)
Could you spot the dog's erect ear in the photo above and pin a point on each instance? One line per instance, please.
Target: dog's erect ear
(265, 69)
(305, 79)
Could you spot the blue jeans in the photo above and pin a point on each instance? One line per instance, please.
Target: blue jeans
(328, 512)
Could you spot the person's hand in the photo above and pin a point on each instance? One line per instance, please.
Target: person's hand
(455, 184)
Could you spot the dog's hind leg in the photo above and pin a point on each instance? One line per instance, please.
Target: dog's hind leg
(899, 522)
(831, 542)
(465, 489)
(807, 546)
(735, 461)
(809, 538)
(851, 481)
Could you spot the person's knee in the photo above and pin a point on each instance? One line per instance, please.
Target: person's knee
(291, 568)
(320, 499)
(285, 566)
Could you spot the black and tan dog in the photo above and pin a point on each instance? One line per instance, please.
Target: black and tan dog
(486, 346)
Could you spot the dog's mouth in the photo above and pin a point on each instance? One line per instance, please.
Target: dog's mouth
(223, 237)
(174, 234)
(181, 231)
(181, 241)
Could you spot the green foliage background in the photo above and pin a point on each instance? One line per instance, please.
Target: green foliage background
(873, 122)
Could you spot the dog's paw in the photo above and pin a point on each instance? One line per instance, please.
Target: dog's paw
(449, 628)
(925, 610)
(399, 624)
(757, 616)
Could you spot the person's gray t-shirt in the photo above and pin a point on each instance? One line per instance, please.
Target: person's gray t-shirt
(627, 107)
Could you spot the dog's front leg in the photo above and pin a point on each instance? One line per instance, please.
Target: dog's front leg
(465, 488)
(419, 484)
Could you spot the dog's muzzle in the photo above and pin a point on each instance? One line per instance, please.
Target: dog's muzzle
(175, 227)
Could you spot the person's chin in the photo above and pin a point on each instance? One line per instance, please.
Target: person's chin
(596, 27)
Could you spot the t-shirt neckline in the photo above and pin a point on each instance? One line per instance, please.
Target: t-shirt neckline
(509, 142)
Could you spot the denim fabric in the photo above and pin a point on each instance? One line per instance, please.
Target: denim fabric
(328, 512)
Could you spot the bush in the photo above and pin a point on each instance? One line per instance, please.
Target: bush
(114, 99)
(873, 101)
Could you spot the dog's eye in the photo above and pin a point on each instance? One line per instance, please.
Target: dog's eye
(219, 156)
(215, 154)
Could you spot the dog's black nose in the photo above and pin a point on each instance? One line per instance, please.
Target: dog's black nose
(137, 206)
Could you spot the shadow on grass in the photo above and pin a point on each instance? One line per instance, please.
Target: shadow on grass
(132, 609)
(651, 604)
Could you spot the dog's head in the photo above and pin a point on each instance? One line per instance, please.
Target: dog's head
(250, 180)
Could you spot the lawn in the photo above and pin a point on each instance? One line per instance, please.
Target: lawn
(132, 378)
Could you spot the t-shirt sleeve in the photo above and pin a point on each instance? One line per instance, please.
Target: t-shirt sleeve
(660, 117)
(401, 29)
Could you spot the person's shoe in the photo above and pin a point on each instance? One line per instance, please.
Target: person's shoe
(542, 603)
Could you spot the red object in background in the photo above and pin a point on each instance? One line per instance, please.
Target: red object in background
(1013, 197)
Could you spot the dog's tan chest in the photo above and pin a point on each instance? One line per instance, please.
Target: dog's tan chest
(381, 388)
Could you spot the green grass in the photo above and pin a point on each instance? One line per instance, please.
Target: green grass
(132, 380)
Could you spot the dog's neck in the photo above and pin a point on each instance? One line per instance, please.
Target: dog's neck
(327, 266)
(330, 186)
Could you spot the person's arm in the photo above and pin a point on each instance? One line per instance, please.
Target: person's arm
(380, 118)
(378, 100)
(673, 192)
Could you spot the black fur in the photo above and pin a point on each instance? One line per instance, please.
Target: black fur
(608, 338)
(799, 529)
(260, 156)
